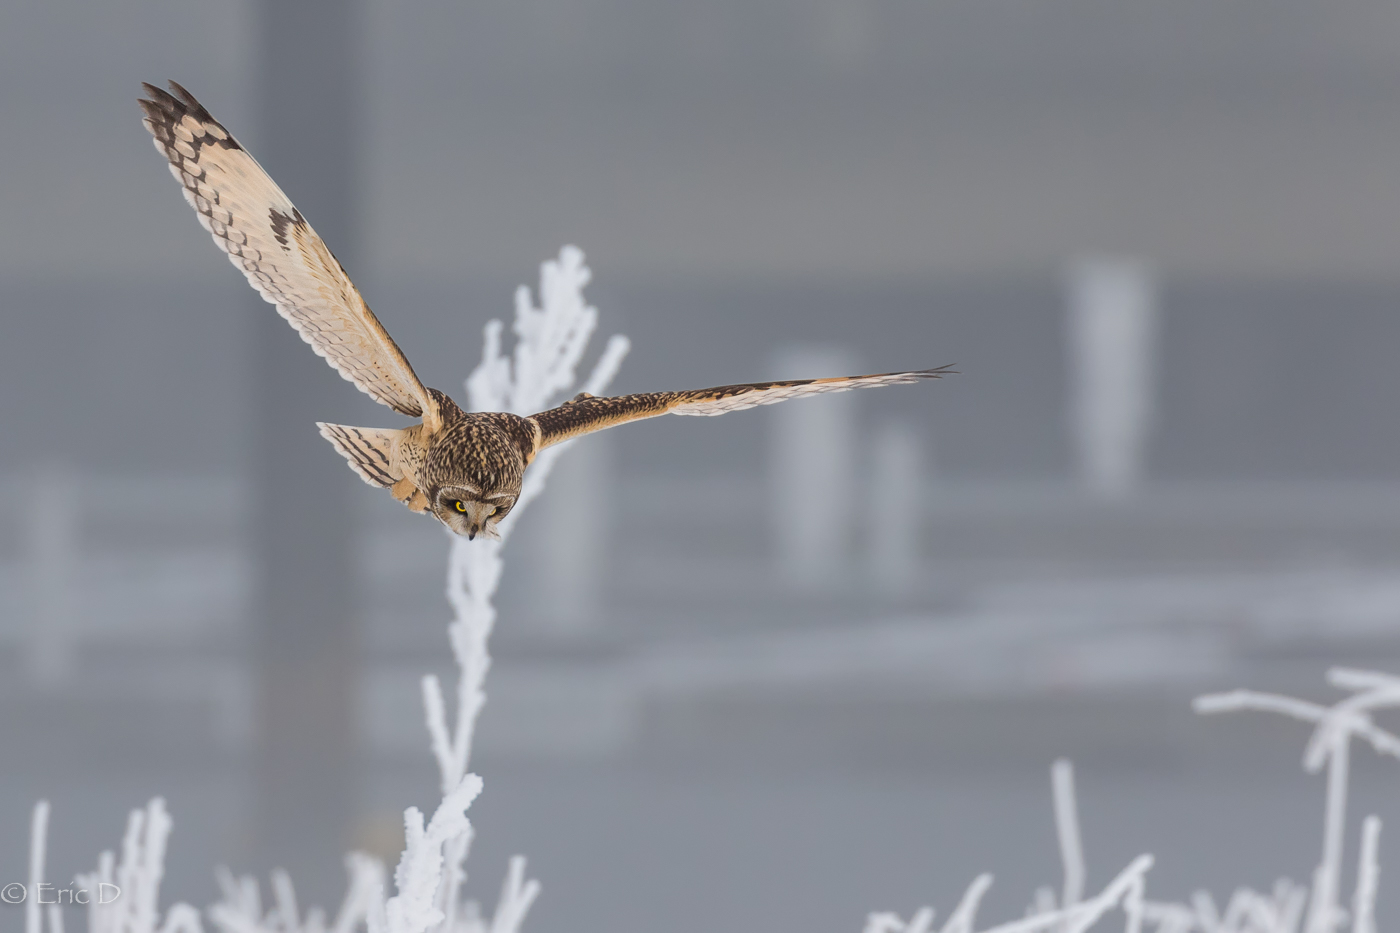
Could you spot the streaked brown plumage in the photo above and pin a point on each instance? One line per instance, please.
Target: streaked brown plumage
(465, 468)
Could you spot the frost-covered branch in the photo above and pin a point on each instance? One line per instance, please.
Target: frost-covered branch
(1067, 829)
(419, 876)
(551, 340)
(38, 849)
(1125, 892)
(1073, 915)
(1367, 878)
(135, 907)
(965, 914)
(1288, 908)
(1330, 744)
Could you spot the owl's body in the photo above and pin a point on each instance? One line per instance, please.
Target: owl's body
(468, 471)
(464, 468)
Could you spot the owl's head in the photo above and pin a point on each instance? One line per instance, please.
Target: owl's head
(467, 511)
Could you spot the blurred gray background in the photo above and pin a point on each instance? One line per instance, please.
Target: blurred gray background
(1158, 241)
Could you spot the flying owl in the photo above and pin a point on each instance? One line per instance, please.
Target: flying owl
(463, 468)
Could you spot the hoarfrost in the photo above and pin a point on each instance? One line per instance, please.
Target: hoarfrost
(552, 338)
(1288, 908)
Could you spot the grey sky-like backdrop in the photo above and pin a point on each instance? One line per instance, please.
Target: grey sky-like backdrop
(905, 178)
(906, 181)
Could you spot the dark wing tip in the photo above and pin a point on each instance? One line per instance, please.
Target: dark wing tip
(191, 102)
(179, 101)
(166, 108)
(159, 98)
(911, 375)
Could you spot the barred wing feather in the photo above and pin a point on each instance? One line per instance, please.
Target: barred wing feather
(586, 414)
(267, 238)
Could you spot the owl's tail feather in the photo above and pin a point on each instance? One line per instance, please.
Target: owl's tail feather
(369, 451)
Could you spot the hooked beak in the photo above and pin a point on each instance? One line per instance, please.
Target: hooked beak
(472, 532)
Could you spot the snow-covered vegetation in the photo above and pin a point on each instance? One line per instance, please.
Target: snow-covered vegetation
(1288, 908)
(426, 893)
(551, 341)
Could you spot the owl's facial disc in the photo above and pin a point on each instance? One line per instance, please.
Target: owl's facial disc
(469, 513)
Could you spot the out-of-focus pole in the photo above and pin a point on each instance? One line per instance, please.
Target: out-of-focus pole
(306, 72)
(1112, 338)
(895, 499)
(812, 474)
(575, 541)
(54, 554)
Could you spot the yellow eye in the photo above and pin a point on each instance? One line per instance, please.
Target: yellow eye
(461, 506)
(493, 511)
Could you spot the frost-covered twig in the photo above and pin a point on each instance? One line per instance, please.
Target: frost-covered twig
(1330, 744)
(135, 879)
(364, 899)
(1074, 915)
(965, 914)
(419, 876)
(921, 922)
(1067, 829)
(38, 846)
(551, 340)
(1367, 878)
(1289, 907)
(1125, 892)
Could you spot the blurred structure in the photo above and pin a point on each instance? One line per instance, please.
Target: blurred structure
(812, 474)
(305, 601)
(1113, 346)
(894, 510)
(574, 537)
(55, 574)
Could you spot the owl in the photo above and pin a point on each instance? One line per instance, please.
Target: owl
(463, 468)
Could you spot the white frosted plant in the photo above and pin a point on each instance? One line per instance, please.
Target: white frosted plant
(1288, 908)
(551, 341)
(122, 895)
(1069, 913)
(1334, 728)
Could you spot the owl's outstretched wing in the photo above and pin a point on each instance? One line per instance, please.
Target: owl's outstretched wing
(265, 236)
(589, 413)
